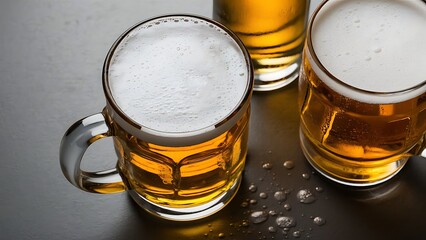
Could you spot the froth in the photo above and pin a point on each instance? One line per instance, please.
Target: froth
(178, 74)
(376, 45)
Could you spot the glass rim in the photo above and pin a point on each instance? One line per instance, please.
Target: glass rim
(221, 125)
(311, 49)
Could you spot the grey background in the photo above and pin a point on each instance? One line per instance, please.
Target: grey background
(51, 55)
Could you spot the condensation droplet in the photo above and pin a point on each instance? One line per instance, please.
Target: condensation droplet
(319, 221)
(319, 189)
(305, 196)
(258, 216)
(368, 58)
(288, 164)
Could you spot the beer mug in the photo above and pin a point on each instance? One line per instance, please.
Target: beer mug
(273, 32)
(178, 92)
(362, 89)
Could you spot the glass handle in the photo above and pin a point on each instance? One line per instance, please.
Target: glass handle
(73, 146)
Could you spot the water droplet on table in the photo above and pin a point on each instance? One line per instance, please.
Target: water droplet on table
(297, 234)
(263, 195)
(288, 164)
(258, 216)
(287, 206)
(267, 166)
(244, 204)
(285, 222)
(272, 213)
(306, 176)
(280, 196)
(252, 188)
(305, 196)
(319, 221)
(245, 223)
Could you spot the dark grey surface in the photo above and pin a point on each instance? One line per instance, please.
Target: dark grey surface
(51, 55)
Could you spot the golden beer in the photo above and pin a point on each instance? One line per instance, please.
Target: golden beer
(274, 33)
(178, 92)
(183, 176)
(362, 115)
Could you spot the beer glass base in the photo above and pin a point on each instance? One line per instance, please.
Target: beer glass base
(280, 77)
(190, 213)
(353, 178)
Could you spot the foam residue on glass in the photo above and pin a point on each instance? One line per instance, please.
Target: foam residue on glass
(177, 74)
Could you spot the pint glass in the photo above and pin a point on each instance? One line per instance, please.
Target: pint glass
(178, 92)
(273, 32)
(362, 88)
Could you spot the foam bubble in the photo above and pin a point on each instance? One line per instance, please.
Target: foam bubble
(177, 74)
(387, 53)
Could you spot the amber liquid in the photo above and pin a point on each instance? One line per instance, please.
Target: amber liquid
(355, 141)
(273, 31)
(182, 176)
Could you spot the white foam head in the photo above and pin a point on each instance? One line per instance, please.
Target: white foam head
(373, 46)
(178, 74)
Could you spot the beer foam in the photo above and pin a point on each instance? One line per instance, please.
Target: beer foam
(178, 74)
(375, 45)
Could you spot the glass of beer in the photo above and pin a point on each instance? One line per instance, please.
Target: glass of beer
(274, 33)
(362, 89)
(178, 92)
